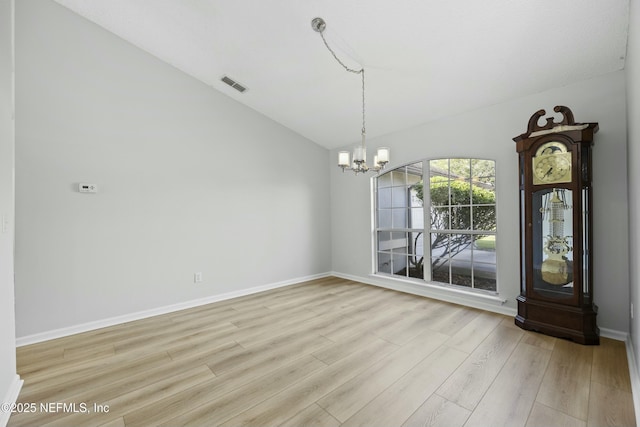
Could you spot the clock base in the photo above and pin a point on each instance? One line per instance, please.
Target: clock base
(577, 324)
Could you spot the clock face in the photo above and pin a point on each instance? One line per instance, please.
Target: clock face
(552, 164)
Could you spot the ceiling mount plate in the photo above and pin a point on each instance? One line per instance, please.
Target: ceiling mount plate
(318, 25)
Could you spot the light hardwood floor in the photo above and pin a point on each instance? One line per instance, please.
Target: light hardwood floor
(328, 352)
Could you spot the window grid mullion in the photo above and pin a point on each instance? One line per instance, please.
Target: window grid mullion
(404, 250)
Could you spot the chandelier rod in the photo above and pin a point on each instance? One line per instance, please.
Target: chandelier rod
(319, 27)
(351, 70)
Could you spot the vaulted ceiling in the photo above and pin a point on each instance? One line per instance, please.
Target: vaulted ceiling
(424, 59)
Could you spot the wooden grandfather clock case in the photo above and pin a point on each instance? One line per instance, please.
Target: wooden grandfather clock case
(556, 296)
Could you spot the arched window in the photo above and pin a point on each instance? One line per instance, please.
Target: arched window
(441, 230)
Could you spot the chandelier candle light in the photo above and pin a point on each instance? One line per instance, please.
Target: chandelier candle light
(360, 152)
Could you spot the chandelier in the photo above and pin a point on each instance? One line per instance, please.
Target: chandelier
(359, 163)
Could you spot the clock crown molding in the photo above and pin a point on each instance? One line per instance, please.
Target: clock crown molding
(567, 119)
(584, 131)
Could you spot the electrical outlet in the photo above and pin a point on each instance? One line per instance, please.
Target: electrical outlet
(197, 277)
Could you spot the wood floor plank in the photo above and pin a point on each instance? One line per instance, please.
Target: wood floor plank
(353, 395)
(610, 406)
(397, 403)
(339, 305)
(174, 336)
(438, 412)
(341, 349)
(202, 351)
(345, 327)
(293, 345)
(268, 328)
(111, 334)
(275, 316)
(79, 353)
(106, 337)
(111, 369)
(217, 410)
(254, 369)
(411, 324)
(103, 395)
(474, 332)
(456, 318)
(30, 354)
(118, 422)
(610, 365)
(212, 311)
(385, 317)
(382, 305)
(355, 294)
(409, 301)
(469, 384)
(100, 391)
(248, 303)
(36, 365)
(544, 416)
(219, 401)
(213, 322)
(566, 384)
(228, 313)
(279, 408)
(510, 398)
(259, 335)
(312, 416)
(540, 340)
(308, 300)
(135, 399)
(200, 339)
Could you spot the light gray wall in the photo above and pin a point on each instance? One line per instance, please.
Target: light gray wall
(189, 181)
(7, 319)
(488, 133)
(632, 68)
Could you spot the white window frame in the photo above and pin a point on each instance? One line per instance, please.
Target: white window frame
(427, 232)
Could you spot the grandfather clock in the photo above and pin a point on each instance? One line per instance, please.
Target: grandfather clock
(556, 296)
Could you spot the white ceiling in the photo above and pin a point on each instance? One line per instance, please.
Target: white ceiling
(424, 59)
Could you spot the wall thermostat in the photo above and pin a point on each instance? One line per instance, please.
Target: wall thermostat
(87, 188)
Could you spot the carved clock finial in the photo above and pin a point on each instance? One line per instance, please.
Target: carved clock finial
(566, 113)
(567, 119)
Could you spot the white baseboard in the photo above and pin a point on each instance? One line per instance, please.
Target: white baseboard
(614, 335)
(635, 379)
(10, 398)
(103, 323)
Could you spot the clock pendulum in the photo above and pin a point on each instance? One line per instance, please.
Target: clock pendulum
(556, 268)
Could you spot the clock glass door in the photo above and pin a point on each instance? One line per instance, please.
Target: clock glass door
(552, 233)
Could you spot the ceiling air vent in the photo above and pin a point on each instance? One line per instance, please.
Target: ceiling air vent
(233, 84)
